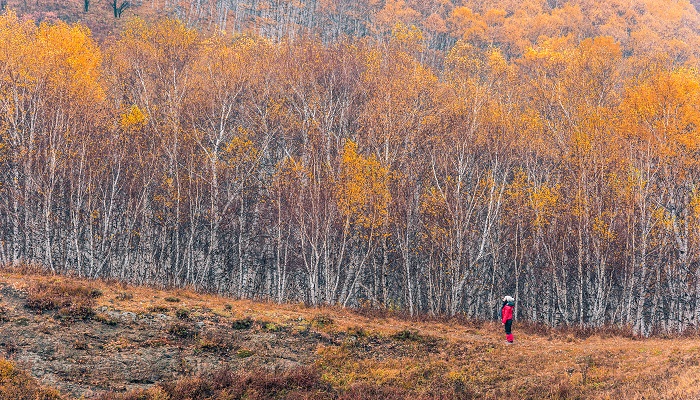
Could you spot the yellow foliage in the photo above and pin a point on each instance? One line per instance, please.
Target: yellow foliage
(18, 384)
(433, 207)
(132, 119)
(240, 150)
(665, 110)
(544, 200)
(664, 218)
(72, 61)
(602, 229)
(408, 38)
(362, 191)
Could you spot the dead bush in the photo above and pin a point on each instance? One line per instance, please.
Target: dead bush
(158, 309)
(217, 342)
(242, 324)
(72, 300)
(181, 330)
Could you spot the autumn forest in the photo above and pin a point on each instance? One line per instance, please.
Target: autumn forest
(420, 156)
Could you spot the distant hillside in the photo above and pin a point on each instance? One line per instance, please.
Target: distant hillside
(110, 341)
(510, 25)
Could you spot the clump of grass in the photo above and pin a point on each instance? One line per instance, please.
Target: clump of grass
(322, 321)
(158, 309)
(72, 300)
(408, 334)
(172, 299)
(105, 319)
(242, 324)
(272, 327)
(182, 313)
(123, 296)
(181, 330)
(244, 353)
(366, 391)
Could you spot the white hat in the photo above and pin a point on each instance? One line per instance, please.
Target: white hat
(509, 299)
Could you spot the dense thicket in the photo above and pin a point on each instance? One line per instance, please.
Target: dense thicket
(557, 163)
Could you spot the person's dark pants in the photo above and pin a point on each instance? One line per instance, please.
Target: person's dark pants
(509, 335)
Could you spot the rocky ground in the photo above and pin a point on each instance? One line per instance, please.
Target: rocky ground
(94, 339)
(136, 337)
(119, 349)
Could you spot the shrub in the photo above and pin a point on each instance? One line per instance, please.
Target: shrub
(182, 313)
(158, 309)
(357, 331)
(241, 324)
(171, 299)
(154, 393)
(72, 300)
(215, 342)
(122, 296)
(20, 385)
(244, 353)
(407, 334)
(181, 330)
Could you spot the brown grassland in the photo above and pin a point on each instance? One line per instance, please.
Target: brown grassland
(71, 338)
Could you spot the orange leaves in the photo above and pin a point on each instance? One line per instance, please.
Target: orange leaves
(63, 56)
(362, 190)
(16, 39)
(396, 11)
(434, 208)
(663, 110)
(167, 39)
(467, 24)
(407, 38)
(544, 200)
(72, 61)
(240, 151)
(133, 119)
(539, 204)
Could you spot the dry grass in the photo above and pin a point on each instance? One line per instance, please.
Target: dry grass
(17, 384)
(363, 355)
(297, 383)
(71, 300)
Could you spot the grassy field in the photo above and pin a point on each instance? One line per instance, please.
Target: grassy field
(106, 340)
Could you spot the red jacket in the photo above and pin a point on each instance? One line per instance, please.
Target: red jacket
(506, 313)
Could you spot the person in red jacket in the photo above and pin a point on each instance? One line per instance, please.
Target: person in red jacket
(507, 316)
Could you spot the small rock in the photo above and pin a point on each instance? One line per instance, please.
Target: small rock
(128, 315)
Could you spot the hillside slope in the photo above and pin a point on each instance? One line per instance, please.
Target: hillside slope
(95, 339)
